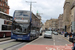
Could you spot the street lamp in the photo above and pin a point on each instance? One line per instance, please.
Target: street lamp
(30, 7)
(30, 4)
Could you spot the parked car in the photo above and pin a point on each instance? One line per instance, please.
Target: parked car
(55, 33)
(48, 34)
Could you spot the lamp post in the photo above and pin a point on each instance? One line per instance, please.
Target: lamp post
(30, 7)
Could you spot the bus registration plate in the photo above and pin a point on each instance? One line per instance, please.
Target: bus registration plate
(19, 35)
(19, 38)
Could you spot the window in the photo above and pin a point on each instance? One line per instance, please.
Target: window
(5, 0)
(0, 0)
(6, 27)
(0, 4)
(4, 10)
(3, 4)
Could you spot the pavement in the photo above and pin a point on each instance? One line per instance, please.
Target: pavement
(4, 39)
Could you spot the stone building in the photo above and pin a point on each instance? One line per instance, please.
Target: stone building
(67, 15)
(39, 17)
(36, 22)
(4, 6)
(47, 24)
(51, 24)
(55, 24)
(60, 22)
(73, 16)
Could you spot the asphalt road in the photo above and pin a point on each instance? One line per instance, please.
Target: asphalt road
(14, 45)
(56, 40)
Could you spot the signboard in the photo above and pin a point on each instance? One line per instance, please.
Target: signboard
(73, 25)
(22, 13)
(25, 21)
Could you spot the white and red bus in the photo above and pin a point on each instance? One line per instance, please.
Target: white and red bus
(5, 27)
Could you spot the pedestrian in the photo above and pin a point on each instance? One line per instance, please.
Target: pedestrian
(70, 34)
(73, 41)
(67, 34)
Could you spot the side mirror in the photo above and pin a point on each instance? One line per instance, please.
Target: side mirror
(71, 39)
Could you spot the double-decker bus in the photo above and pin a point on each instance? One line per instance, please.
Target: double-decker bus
(5, 27)
(22, 27)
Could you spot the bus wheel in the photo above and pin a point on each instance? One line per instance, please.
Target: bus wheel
(4, 35)
(30, 38)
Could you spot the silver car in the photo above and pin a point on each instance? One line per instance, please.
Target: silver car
(48, 34)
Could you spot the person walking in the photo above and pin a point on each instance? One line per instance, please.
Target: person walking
(70, 34)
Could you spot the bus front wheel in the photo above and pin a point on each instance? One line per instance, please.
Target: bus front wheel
(4, 35)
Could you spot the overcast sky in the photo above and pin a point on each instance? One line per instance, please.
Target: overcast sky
(48, 8)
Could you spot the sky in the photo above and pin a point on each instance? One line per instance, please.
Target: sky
(46, 8)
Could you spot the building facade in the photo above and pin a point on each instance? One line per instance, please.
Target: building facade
(4, 6)
(51, 24)
(67, 15)
(73, 16)
(47, 24)
(5, 16)
(55, 24)
(60, 22)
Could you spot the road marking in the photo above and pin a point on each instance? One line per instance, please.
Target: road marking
(54, 42)
(65, 39)
(66, 44)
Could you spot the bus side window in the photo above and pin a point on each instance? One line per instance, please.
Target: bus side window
(4, 27)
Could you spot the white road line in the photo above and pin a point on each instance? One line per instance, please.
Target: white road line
(54, 40)
(54, 43)
(66, 44)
